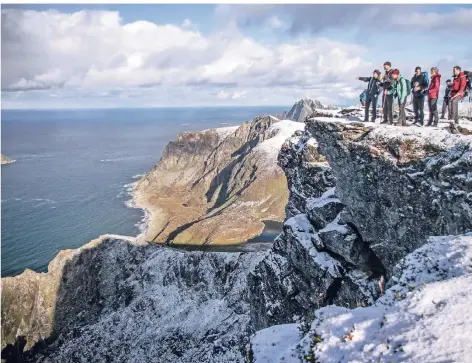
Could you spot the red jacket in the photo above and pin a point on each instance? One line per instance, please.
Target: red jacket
(434, 84)
(458, 85)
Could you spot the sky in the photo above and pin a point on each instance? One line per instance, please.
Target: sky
(90, 56)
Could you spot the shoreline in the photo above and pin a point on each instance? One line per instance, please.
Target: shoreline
(144, 224)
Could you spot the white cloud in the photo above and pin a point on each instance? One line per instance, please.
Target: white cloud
(95, 54)
(223, 94)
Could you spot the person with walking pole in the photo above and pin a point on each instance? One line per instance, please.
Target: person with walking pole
(388, 91)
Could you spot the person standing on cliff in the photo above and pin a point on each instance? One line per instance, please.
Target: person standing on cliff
(447, 101)
(420, 85)
(388, 91)
(372, 94)
(402, 91)
(457, 92)
(433, 94)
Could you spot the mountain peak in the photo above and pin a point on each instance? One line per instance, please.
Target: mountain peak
(303, 108)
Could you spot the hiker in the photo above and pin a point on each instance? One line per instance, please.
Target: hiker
(447, 101)
(419, 83)
(372, 94)
(363, 97)
(402, 89)
(388, 91)
(433, 95)
(457, 92)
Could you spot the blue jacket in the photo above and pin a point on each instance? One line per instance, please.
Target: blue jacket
(373, 88)
(423, 84)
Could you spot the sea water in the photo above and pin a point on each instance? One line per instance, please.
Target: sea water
(74, 168)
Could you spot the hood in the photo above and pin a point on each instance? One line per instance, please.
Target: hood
(436, 75)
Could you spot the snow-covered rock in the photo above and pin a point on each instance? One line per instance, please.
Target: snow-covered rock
(399, 185)
(424, 317)
(361, 198)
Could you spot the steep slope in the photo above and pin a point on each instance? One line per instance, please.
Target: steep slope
(217, 186)
(125, 301)
(400, 186)
(122, 301)
(6, 160)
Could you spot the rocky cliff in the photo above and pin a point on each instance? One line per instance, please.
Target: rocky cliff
(217, 186)
(6, 160)
(303, 109)
(361, 198)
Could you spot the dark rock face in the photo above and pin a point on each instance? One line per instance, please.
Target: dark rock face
(399, 189)
(318, 259)
(121, 302)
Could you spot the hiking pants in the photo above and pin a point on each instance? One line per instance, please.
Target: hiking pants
(388, 109)
(455, 108)
(402, 115)
(433, 111)
(418, 108)
(446, 106)
(371, 100)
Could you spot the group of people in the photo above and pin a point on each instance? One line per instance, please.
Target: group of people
(393, 85)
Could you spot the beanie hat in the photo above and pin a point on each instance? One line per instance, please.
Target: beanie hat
(388, 64)
(377, 71)
(395, 71)
(448, 81)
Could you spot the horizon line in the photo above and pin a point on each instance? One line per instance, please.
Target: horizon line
(134, 107)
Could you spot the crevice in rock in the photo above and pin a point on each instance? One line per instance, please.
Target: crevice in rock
(374, 264)
(332, 291)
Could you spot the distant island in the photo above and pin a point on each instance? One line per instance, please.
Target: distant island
(6, 160)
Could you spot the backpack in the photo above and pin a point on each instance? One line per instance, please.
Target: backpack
(426, 77)
(468, 85)
(408, 86)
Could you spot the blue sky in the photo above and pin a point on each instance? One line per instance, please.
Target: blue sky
(167, 55)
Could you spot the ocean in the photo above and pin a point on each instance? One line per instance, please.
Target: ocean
(74, 169)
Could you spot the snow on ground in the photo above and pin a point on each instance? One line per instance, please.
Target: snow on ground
(424, 317)
(278, 133)
(224, 132)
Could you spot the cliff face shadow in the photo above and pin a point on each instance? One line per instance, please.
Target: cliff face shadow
(89, 282)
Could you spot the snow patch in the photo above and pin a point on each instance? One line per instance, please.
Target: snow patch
(278, 133)
(424, 317)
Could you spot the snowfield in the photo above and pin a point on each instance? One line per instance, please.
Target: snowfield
(278, 133)
(424, 317)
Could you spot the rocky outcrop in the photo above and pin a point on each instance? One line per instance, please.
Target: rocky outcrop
(6, 160)
(217, 186)
(360, 199)
(400, 186)
(422, 316)
(318, 259)
(302, 109)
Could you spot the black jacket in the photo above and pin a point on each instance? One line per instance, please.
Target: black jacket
(373, 88)
(387, 82)
(447, 92)
(423, 83)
